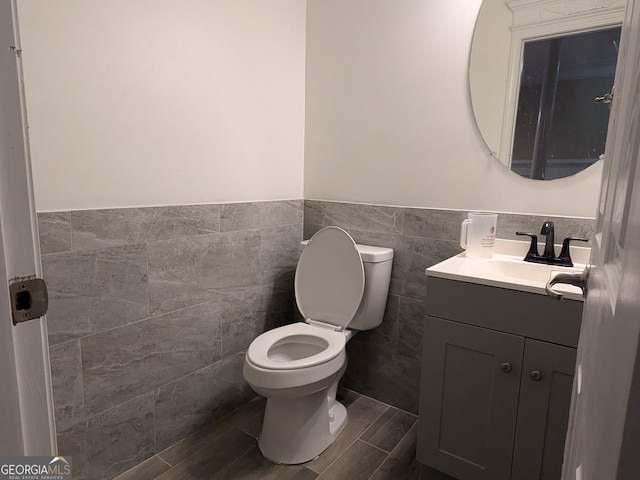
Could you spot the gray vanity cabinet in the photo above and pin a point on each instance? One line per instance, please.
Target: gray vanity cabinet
(496, 382)
(468, 405)
(543, 411)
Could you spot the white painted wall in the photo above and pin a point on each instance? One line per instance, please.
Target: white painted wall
(388, 115)
(161, 102)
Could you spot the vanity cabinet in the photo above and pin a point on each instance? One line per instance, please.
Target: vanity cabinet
(497, 377)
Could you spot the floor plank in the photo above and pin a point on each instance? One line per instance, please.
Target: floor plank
(401, 462)
(388, 431)
(147, 470)
(360, 415)
(358, 462)
(378, 443)
(212, 458)
(253, 466)
(249, 420)
(194, 442)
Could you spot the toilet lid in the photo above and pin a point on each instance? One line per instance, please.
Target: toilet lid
(329, 280)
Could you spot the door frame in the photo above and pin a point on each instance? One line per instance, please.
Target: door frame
(28, 420)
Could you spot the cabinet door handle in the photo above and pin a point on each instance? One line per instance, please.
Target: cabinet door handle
(536, 376)
(505, 367)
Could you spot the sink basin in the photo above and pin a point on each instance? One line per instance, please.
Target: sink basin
(507, 269)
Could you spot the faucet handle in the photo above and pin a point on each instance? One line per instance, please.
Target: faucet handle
(533, 248)
(565, 255)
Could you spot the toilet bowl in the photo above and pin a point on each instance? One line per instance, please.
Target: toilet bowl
(338, 284)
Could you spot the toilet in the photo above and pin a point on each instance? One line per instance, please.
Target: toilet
(340, 287)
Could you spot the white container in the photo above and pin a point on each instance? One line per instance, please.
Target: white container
(478, 234)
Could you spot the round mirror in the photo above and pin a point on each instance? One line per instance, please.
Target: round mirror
(541, 78)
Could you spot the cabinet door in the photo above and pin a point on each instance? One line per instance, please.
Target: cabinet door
(468, 401)
(543, 414)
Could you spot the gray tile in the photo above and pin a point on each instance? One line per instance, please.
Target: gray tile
(375, 368)
(413, 255)
(279, 251)
(389, 429)
(69, 279)
(255, 215)
(401, 463)
(244, 317)
(361, 414)
(242, 419)
(208, 218)
(280, 293)
(388, 376)
(105, 228)
(212, 458)
(359, 462)
(54, 231)
(240, 216)
(72, 443)
(280, 213)
(314, 212)
(376, 239)
(410, 327)
(147, 470)
(123, 226)
(194, 401)
(439, 224)
(193, 270)
(369, 218)
(384, 338)
(133, 359)
(121, 289)
(309, 230)
(95, 290)
(66, 377)
(120, 438)
(509, 224)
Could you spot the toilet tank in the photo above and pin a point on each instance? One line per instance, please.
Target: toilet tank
(377, 275)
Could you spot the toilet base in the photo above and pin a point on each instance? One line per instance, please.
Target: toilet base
(296, 430)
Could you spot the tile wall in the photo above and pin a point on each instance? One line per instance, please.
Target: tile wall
(150, 312)
(385, 363)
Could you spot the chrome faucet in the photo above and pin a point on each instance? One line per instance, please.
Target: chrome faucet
(549, 255)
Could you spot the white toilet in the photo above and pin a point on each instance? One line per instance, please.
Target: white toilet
(338, 284)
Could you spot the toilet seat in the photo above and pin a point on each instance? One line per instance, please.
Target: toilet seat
(323, 344)
(329, 281)
(301, 358)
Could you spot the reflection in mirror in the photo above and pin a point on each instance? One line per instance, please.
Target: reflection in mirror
(560, 127)
(535, 71)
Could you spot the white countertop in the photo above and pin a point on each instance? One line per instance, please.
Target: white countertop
(508, 270)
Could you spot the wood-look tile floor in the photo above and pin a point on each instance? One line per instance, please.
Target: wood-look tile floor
(378, 443)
